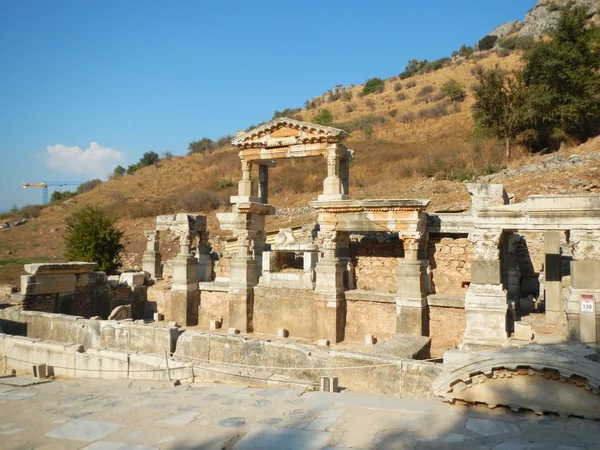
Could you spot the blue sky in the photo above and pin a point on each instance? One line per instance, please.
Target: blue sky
(86, 85)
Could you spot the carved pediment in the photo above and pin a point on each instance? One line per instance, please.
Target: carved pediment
(283, 132)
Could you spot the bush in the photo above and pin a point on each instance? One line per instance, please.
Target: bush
(349, 108)
(454, 91)
(397, 86)
(167, 155)
(426, 90)
(516, 42)
(373, 85)
(58, 196)
(92, 235)
(347, 96)
(433, 112)
(323, 118)
(199, 200)
(219, 185)
(371, 104)
(28, 211)
(287, 112)
(119, 171)
(393, 112)
(466, 51)
(148, 159)
(487, 42)
(88, 186)
(400, 96)
(411, 84)
(203, 145)
(502, 52)
(407, 117)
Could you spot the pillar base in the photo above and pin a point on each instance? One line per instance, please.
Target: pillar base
(244, 276)
(486, 309)
(184, 306)
(330, 317)
(411, 303)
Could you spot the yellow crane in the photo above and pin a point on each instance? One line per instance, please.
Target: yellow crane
(44, 185)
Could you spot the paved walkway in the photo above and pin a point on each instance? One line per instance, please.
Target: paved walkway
(136, 415)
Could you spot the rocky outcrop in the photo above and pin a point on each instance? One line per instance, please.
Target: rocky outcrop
(543, 17)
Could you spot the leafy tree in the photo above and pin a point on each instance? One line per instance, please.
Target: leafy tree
(323, 118)
(203, 145)
(167, 155)
(466, 51)
(91, 234)
(487, 42)
(119, 171)
(373, 85)
(454, 91)
(58, 196)
(149, 159)
(455, 54)
(287, 112)
(133, 168)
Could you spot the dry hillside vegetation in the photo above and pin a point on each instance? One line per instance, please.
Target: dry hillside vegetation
(404, 152)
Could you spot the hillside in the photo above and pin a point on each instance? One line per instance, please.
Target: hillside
(409, 142)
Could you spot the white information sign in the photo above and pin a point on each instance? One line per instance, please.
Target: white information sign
(587, 303)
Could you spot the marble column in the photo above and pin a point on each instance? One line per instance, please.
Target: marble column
(411, 298)
(245, 184)
(583, 297)
(552, 278)
(151, 259)
(185, 295)
(244, 276)
(332, 185)
(330, 301)
(486, 304)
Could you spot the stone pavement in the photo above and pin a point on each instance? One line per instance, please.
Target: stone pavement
(140, 415)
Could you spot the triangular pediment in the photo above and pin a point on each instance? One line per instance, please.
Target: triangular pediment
(283, 132)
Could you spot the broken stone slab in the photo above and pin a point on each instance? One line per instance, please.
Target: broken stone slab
(74, 267)
(113, 281)
(522, 331)
(404, 346)
(48, 284)
(132, 278)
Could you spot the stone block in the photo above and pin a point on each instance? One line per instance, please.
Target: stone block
(233, 331)
(370, 339)
(40, 371)
(522, 331)
(323, 342)
(132, 278)
(113, 281)
(486, 272)
(282, 333)
(215, 324)
(158, 317)
(47, 284)
(584, 274)
(60, 268)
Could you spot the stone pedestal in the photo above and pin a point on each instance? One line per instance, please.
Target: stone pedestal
(151, 259)
(185, 296)
(552, 278)
(244, 276)
(205, 263)
(330, 301)
(486, 309)
(411, 301)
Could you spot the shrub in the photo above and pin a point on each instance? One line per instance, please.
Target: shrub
(226, 140)
(454, 91)
(397, 86)
(287, 112)
(91, 234)
(435, 111)
(411, 84)
(28, 211)
(118, 171)
(349, 108)
(516, 42)
(371, 104)
(347, 96)
(426, 90)
(407, 117)
(502, 52)
(203, 145)
(466, 51)
(199, 200)
(393, 112)
(167, 155)
(373, 85)
(148, 159)
(400, 96)
(222, 184)
(487, 42)
(58, 196)
(88, 186)
(323, 118)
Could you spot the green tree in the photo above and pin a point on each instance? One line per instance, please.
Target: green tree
(454, 91)
(466, 51)
(203, 145)
(88, 186)
(149, 159)
(487, 42)
(92, 235)
(373, 85)
(58, 196)
(323, 118)
(119, 171)
(562, 79)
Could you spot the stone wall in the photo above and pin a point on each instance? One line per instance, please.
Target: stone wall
(446, 328)
(450, 262)
(369, 317)
(376, 263)
(213, 305)
(292, 309)
(530, 254)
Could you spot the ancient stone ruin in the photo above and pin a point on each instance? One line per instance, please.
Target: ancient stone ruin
(500, 290)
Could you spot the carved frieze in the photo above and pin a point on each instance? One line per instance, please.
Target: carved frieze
(585, 245)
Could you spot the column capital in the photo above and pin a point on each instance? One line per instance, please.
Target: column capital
(486, 244)
(245, 237)
(585, 245)
(329, 239)
(151, 235)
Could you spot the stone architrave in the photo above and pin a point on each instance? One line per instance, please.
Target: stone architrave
(330, 301)
(411, 299)
(151, 259)
(486, 304)
(583, 298)
(184, 289)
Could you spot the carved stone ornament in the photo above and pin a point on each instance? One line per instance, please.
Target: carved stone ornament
(585, 245)
(151, 235)
(329, 239)
(411, 241)
(246, 165)
(244, 237)
(185, 238)
(285, 237)
(485, 244)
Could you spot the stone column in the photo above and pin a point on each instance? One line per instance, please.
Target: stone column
(244, 276)
(485, 302)
(332, 185)
(245, 184)
(205, 263)
(151, 260)
(411, 299)
(512, 281)
(263, 183)
(330, 301)
(345, 175)
(552, 278)
(185, 295)
(583, 297)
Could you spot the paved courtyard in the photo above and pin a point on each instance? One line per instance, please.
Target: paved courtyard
(139, 415)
